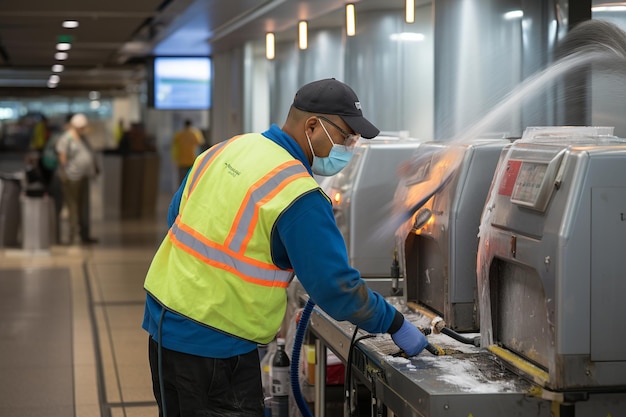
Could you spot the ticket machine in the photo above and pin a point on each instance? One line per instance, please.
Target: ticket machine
(551, 266)
(362, 197)
(440, 243)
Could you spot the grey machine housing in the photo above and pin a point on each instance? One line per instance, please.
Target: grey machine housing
(551, 264)
(362, 196)
(439, 257)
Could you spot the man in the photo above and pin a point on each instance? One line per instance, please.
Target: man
(185, 148)
(77, 164)
(247, 216)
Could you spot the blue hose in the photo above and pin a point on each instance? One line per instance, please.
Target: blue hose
(295, 359)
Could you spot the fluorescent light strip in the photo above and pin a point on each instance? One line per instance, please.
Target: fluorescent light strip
(303, 41)
(350, 20)
(615, 8)
(270, 46)
(410, 11)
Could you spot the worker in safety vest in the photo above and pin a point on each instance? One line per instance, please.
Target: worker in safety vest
(246, 217)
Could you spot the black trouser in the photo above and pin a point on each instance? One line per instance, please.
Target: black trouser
(197, 386)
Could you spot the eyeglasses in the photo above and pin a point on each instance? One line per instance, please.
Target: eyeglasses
(349, 139)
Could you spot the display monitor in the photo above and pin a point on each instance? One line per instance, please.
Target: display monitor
(182, 83)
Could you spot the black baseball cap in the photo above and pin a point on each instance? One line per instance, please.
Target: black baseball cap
(330, 96)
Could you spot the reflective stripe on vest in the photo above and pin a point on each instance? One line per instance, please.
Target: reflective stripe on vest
(206, 159)
(221, 257)
(259, 193)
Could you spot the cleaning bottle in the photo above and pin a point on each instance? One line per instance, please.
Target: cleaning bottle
(266, 362)
(279, 374)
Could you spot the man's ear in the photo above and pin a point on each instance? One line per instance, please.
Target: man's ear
(310, 124)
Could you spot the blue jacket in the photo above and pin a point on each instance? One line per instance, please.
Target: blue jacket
(308, 241)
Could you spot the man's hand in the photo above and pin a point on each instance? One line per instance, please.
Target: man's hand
(410, 339)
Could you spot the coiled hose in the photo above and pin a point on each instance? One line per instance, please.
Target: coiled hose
(295, 359)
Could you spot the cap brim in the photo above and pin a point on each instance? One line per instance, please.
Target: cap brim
(362, 126)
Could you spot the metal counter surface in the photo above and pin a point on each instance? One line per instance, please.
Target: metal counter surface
(468, 382)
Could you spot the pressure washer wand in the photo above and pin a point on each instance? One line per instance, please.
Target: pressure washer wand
(434, 349)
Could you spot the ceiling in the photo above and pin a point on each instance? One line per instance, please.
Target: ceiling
(114, 37)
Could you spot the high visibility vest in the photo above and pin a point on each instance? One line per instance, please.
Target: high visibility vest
(215, 265)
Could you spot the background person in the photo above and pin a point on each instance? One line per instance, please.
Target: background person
(77, 164)
(247, 216)
(185, 148)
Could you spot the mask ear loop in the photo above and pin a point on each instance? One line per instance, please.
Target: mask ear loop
(308, 139)
(327, 134)
(340, 147)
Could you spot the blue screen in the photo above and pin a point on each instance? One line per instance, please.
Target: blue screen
(182, 83)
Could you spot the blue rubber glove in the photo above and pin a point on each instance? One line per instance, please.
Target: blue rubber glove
(410, 339)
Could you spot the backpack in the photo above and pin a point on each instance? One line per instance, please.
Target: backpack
(49, 156)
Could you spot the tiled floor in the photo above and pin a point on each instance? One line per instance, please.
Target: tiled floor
(106, 373)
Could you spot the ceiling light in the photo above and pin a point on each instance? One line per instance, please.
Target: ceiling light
(60, 56)
(54, 79)
(513, 14)
(52, 85)
(410, 11)
(350, 20)
(94, 95)
(64, 46)
(609, 8)
(303, 41)
(70, 24)
(407, 37)
(57, 68)
(270, 46)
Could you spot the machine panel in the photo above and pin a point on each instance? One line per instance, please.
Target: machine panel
(608, 272)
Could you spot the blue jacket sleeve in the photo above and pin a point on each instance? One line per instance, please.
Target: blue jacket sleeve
(317, 253)
(172, 210)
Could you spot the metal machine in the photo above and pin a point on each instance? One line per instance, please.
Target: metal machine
(551, 267)
(440, 253)
(362, 195)
(541, 270)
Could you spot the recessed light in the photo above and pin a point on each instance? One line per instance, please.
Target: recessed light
(407, 37)
(57, 68)
(514, 14)
(70, 24)
(54, 79)
(60, 56)
(64, 46)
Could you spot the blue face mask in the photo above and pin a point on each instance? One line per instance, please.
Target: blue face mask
(336, 160)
